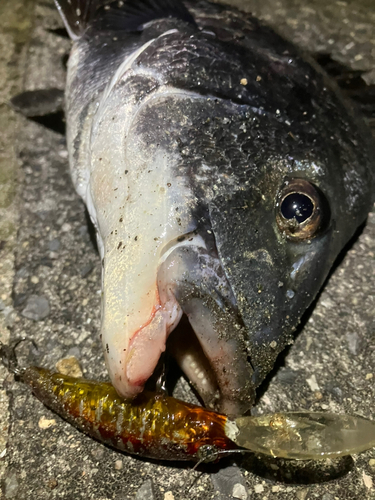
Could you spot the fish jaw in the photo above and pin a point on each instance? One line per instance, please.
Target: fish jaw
(138, 207)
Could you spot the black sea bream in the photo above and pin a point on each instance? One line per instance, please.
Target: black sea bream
(223, 174)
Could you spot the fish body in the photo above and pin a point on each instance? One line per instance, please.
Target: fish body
(223, 174)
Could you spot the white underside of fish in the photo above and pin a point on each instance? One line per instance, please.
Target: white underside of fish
(138, 208)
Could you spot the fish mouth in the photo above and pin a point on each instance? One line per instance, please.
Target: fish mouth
(191, 283)
(213, 355)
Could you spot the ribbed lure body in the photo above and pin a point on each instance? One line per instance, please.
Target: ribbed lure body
(153, 426)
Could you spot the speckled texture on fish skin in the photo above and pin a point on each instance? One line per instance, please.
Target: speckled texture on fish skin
(329, 366)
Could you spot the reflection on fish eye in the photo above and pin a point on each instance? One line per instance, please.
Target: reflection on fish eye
(301, 210)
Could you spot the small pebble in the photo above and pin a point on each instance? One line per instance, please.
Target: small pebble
(259, 488)
(37, 308)
(168, 495)
(244, 81)
(369, 376)
(69, 366)
(371, 462)
(86, 270)
(239, 491)
(313, 384)
(10, 485)
(302, 494)
(118, 464)
(367, 481)
(44, 423)
(54, 245)
(52, 483)
(146, 491)
(353, 342)
(327, 496)
(225, 480)
(318, 395)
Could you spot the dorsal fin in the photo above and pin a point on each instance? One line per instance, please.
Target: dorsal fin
(124, 15)
(76, 15)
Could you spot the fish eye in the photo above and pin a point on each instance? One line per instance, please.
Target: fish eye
(302, 211)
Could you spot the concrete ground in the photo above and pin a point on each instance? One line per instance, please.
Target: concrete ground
(49, 271)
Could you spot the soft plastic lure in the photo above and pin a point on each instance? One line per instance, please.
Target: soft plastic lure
(165, 428)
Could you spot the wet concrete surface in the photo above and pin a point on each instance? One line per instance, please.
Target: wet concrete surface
(52, 295)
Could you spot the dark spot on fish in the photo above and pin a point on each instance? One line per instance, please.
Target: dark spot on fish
(126, 171)
(100, 336)
(136, 238)
(119, 245)
(169, 184)
(103, 262)
(181, 238)
(121, 219)
(115, 189)
(107, 348)
(100, 159)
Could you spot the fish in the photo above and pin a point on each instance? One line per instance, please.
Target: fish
(161, 427)
(223, 172)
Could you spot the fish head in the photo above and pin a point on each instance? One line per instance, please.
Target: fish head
(225, 176)
(245, 224)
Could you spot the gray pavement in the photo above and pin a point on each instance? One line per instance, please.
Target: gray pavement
(50, 292)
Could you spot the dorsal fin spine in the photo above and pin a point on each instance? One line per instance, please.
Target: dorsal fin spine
(125, 15)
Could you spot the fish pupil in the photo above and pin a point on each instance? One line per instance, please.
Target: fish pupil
(297, 206)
